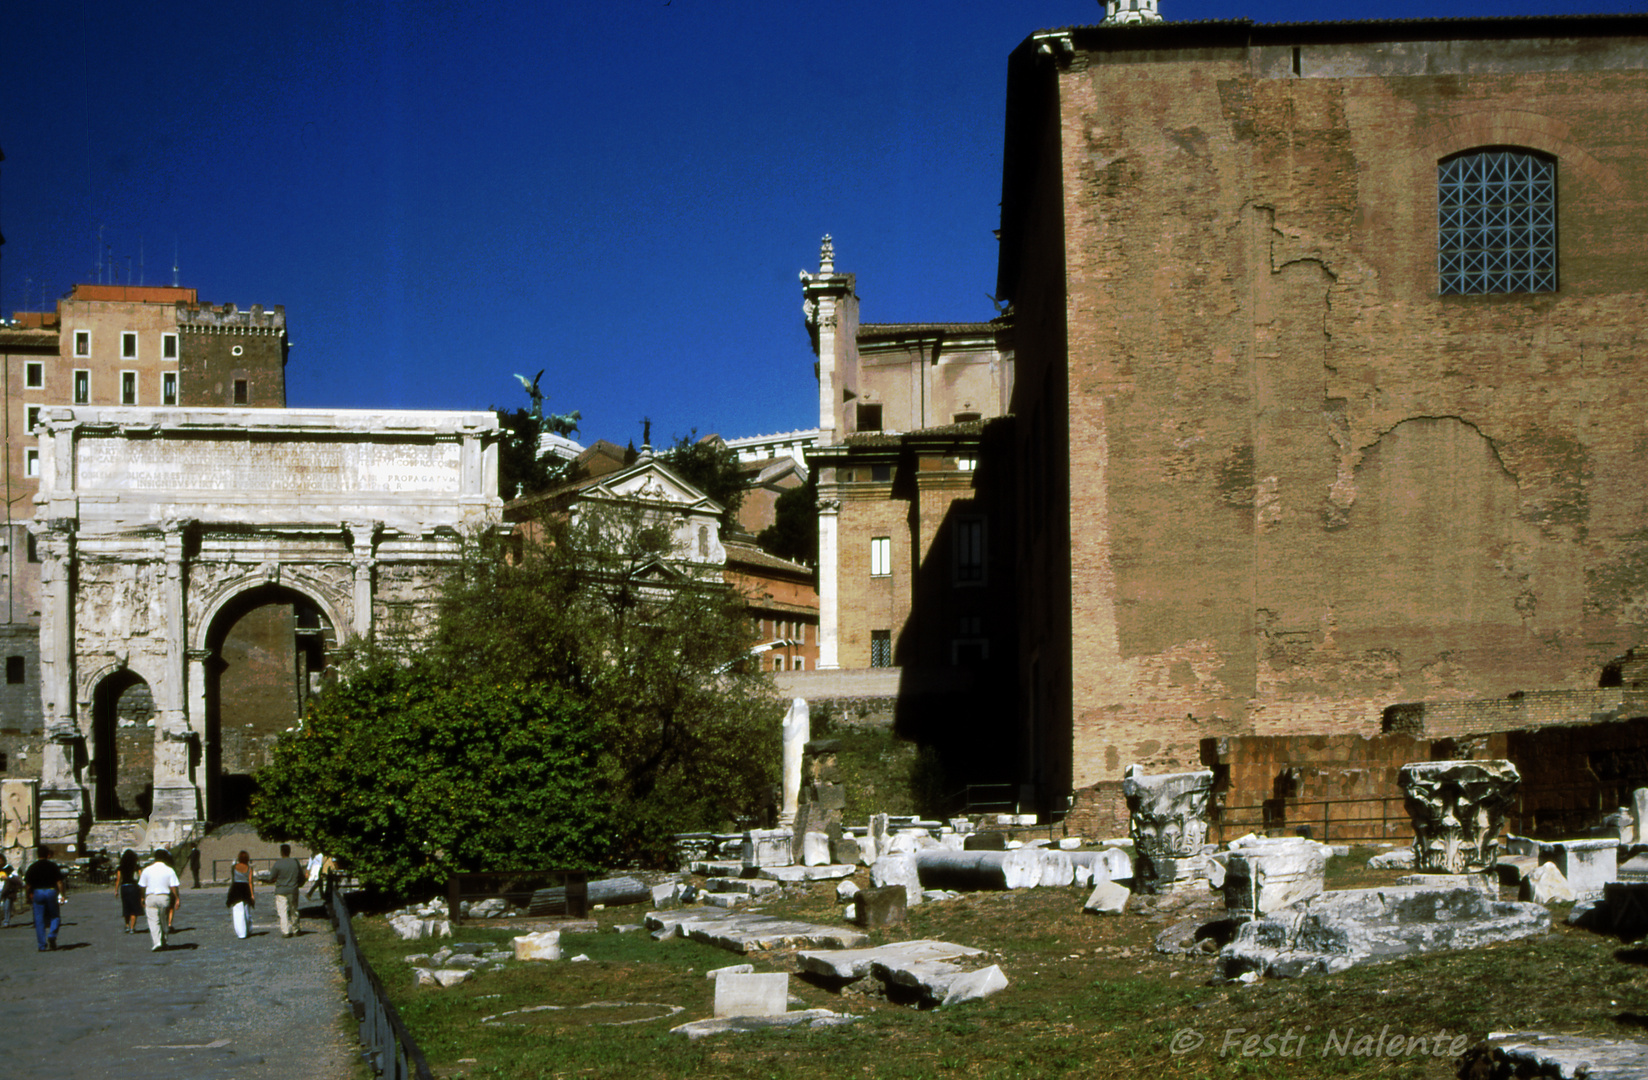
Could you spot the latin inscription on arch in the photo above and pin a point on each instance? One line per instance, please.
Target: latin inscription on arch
(253, 466)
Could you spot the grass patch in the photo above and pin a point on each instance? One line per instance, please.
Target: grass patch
(1089, 996)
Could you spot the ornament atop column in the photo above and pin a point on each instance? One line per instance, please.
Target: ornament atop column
(1131, 12)
(1457, 807)
(1168, 821)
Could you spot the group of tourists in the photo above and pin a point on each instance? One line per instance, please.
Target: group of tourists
(154, 892)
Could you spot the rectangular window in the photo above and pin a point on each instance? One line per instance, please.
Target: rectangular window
(240, 391)
(799, 663)
(168, 388)
(881, 473)
(128, 388)
(128, 345)
(34, 374)
(869, 416)
(14, 669)
(881, 648)
(82, 343)
(82, 386)
(1496, 222)
(31, 417)
(969, 551)
(33, 547)
(31, 462)
(778, 663)
(881, 556)
(168, 346)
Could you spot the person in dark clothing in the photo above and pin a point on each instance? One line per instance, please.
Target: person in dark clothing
(130, 892)
(44, 881)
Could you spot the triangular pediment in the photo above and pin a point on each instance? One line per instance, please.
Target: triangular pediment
(653, 482)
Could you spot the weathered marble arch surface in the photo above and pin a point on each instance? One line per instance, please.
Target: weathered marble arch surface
(150, 523)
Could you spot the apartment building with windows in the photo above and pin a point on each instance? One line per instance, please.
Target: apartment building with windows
(134, 345)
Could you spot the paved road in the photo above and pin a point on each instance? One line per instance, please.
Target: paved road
(209, 1007)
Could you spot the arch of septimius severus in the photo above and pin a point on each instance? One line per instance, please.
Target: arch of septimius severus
(159, 530)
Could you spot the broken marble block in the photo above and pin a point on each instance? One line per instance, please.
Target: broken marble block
(1108, 898)
(1400, 859)
(1635, 868)
(973, 985)
(897, 870)
(767, 847)
(1546, 885)
(877, 909)
(1486, 884)
(412, 928)
(752, 994)
(1168, 822)
(545, 945)
(1456, 808)
(1264, 875)
(441, 977)
(1337, 930)
(1587, 865)
(815, 849)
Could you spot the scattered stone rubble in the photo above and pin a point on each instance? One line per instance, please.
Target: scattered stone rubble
(456, 963)
(1336, 930)
(1533, 1053)
(923, 972)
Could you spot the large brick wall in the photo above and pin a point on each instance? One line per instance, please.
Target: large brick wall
(1303, 486)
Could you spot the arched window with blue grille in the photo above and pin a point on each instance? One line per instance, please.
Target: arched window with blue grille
(1496, 222)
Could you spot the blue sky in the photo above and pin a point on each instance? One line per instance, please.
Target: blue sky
(620, 192)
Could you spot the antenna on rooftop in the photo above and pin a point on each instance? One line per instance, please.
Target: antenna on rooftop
(100, 254)
(174, 262)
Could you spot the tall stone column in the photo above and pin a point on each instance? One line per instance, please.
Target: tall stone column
(797, 730)
(829, 586)
(363, 537)
(179, 807)
(62, 796)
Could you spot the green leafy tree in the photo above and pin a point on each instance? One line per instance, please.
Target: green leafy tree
(520, 470)
(655, 651)
(794, 532)
(711, 466)
(409, 774)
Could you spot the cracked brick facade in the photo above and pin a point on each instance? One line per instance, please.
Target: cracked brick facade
(1271, 481)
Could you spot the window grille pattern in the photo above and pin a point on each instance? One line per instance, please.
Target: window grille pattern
(881, 648)
(1496, 223)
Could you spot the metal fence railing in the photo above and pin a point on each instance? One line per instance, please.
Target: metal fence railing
(1550, 813)
(395, 1055)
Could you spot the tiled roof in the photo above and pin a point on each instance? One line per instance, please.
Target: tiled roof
(1498, 22)
(750, 555)
(894, 329)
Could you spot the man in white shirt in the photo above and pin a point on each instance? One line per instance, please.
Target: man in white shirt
(160, 884)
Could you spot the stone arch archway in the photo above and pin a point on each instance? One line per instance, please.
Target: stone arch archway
(163, 531)
(121, 745)
(267, 648)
